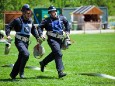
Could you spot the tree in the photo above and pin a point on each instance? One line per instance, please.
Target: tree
(9, 5)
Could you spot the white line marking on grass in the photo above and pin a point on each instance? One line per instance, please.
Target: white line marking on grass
(8, 65)
(37, 68)
(28, 67)
(99, 75)
(88, 74)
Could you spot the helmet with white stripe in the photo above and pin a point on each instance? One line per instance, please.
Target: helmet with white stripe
(25, 7)
(51, 8)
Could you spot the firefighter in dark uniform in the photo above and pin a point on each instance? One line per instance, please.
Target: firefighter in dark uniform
(54, 25)
(24, 27)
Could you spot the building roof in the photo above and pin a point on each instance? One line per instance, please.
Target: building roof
(88, 10)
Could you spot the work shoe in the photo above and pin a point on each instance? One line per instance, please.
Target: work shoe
(21, 75)
(12, 77)
(41, 66)
(61, 74)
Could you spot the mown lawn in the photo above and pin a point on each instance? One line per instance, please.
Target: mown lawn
(89, 53)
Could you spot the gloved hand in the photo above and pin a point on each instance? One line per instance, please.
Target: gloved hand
(43, 37)
(40, 39)
(9, 39)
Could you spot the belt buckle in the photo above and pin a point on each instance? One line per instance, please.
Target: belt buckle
(24, 39)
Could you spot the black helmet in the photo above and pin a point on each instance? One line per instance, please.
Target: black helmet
(51, 8)
(25, 8)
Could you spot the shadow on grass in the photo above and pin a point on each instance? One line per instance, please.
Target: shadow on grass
(8, 80)
(46, 77)
(112, 83)
(40, 77)
(18, 79)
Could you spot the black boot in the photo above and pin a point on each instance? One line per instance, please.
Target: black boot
(21, 75)
(42, 66)
(12, 77)
(61, 74)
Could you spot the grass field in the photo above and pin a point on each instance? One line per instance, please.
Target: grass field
(90, 53)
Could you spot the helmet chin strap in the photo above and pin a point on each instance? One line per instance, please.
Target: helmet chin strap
(56, 14)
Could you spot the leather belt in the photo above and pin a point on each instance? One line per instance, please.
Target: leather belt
(25, 39)
(55, 35)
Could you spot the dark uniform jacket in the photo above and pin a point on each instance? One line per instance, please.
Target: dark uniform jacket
(16, 24)
(47, 24)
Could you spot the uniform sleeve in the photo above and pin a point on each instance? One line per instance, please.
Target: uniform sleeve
(41, 26)
(34, 31)
(9, 27)
(66, 24)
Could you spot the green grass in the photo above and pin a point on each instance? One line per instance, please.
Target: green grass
(90, 53)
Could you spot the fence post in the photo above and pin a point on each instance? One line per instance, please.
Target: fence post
(4, 21)
(100, 23)
(83, 23)
(84, 27)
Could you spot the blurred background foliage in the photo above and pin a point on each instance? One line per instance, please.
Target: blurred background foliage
(15, 5)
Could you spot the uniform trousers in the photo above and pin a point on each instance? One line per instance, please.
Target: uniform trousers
(22, 59)
(56, 54)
